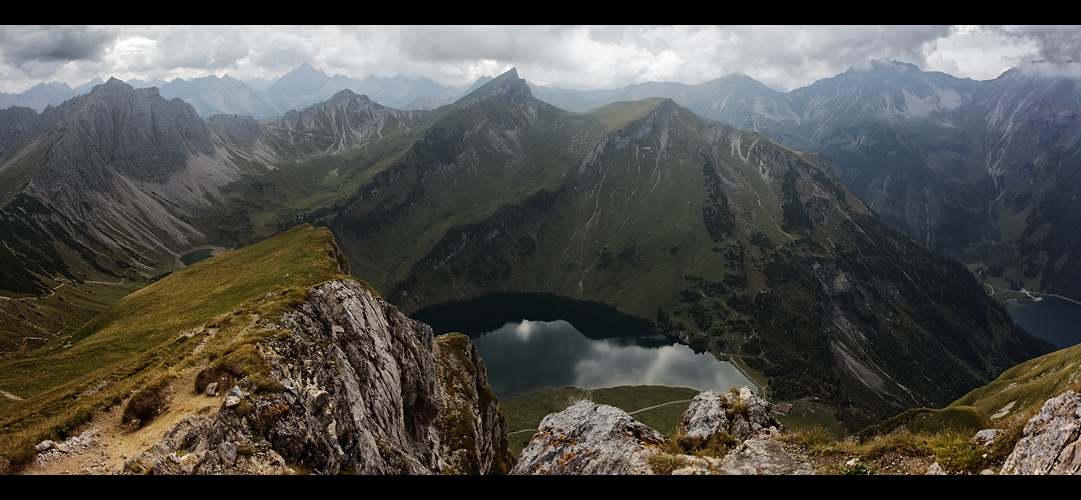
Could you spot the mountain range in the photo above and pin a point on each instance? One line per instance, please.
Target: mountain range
(981, 171)
(724, 238)
(297, 89)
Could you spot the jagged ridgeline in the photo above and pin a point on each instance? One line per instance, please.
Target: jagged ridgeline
(733, 243)
(985, 171)
(722, 237)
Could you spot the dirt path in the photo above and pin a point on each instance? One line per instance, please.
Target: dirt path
(116, 442)
(658, 406)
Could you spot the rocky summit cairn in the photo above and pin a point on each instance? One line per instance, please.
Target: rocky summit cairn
(1049, 444)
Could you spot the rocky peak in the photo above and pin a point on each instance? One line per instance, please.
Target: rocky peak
(353, 386)
(345, 121)
(506, 84)
(118, 132)
(303, 80)
(344, 96)
(114, 85)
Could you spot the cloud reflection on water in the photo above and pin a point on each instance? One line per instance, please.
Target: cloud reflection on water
(533, 355)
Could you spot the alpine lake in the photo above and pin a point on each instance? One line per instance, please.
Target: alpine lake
(535, 341)
(1051, 318)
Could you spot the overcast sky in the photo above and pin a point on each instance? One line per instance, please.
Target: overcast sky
(578, 57)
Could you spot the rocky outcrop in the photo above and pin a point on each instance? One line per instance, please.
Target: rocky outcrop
(1049, 444)
(589, 438)
(353, 387)
(762, 456)
(742, 415)
(472, 432)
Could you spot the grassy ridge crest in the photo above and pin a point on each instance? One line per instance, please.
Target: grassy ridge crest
(147, 336)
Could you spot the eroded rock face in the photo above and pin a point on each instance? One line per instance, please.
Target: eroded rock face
(354, 387)
(589, 438)
(472, 432)
(1049, 444)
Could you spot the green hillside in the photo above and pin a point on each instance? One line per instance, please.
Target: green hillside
(1021, 391)
(1006, 403)
(150, 334)
(721, 237)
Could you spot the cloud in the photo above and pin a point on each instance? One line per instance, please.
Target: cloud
(201, 48)
(580, 57)
(53, 44)
(1054, 44)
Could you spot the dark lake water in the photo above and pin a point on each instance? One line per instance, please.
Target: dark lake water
(1053, 319)
(531, 342)
(195, 256)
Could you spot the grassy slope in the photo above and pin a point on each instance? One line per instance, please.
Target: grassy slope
(1006, 403)
(1027, 386)
(944, 434)
(137, 338)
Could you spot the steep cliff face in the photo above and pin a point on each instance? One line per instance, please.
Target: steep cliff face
(350, 385)
(472, 432)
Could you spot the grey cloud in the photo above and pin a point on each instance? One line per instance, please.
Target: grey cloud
(201, 48)
(49, 44)
(798, 54)
(470, 43)
(1055, 44)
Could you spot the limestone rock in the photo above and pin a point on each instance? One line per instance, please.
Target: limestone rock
(698, 466)
(356, 391)
(705, 416)
(472, 432)
(1049, 444)
(935, 470)
(762, 456)
(741, 415)
(588, 438)
(986, 437)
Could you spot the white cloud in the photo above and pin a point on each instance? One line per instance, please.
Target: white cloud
(582, 57)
